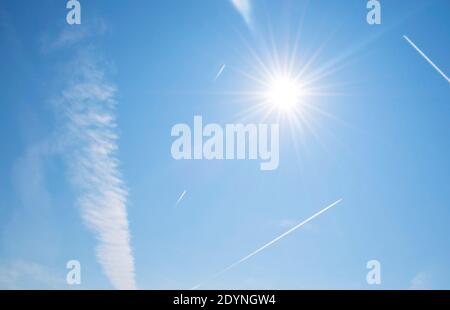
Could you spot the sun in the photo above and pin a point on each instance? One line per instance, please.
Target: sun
(284, 93)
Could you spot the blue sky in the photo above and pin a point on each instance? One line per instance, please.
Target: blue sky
(377, 138)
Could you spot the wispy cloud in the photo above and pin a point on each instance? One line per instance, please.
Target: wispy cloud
(29, 177)
(244, 7)
(71, 36)
(420, 281)
(88, 106)
(28, 275)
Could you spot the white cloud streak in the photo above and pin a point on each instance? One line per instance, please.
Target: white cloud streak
(270, 243)
(426, 58)
(181, 198)
(244, 7)
(222, 68)
(88, 107)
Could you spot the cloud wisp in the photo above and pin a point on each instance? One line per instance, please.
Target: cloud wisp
(28, 275)
(244, 7)
(70, 36)
(88, 108)
(420, 281)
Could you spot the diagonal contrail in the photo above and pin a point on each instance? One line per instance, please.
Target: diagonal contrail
(426, 58)
(268, 244)
(220, 72)
(181, 197)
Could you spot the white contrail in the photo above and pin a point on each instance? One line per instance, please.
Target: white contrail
(220, 72)
(88, 107)
(268, 244)
(426, 58)
(181, 197)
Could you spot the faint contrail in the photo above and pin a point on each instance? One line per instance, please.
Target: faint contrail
(220, 72)
(268, 244)
(426, 58)
(181, 197)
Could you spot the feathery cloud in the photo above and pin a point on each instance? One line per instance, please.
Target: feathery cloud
(70, 36)
(88, 107)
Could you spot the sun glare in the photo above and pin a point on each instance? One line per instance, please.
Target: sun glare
(284, 94)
